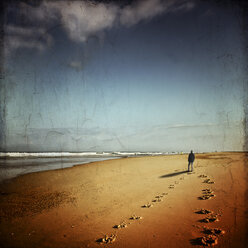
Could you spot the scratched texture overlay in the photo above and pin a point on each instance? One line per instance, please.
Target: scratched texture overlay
(118, 77)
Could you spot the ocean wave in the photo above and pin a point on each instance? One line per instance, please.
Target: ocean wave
(76, 154)
(52, 154)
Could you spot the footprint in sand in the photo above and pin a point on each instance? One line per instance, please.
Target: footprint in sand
(164, 193)
(213, 231)
(207, 191)
(135, 217)
(208, 181)
(176, 182)
(107, 239)
(181, 178)
(172, 186)
(210, 219)
(148, 205)
(209, 240)
(158, 198)
(206, 197)
(203, 211)
(206, 194)
(212, 236)
(202, 176)
(122, 225)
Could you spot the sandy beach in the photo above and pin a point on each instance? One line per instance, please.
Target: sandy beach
(78, 206)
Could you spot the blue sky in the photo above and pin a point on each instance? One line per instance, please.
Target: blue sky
(139, 75)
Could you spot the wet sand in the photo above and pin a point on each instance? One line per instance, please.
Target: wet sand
(78, 206)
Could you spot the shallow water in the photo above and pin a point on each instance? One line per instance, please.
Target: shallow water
(12, 167)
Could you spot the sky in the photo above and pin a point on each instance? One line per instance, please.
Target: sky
(144, 75)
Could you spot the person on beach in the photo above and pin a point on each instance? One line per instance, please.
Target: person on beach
(191, 159)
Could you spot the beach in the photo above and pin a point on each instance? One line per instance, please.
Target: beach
(149, 201)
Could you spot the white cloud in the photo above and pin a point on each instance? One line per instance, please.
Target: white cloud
(41, 14)
(140, 10)
(147, 9)
(80, 19)
(26, 37)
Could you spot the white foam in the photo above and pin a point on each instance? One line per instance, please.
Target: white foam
(75, 154)
(52, 154)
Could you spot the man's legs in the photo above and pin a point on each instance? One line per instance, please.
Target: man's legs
(190, 165)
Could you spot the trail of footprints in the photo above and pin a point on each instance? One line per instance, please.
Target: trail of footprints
(158, 198)
(211, 234)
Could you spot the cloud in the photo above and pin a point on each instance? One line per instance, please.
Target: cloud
(40, 15)
(79, 19)
(147, 9)
(200, 125)
(193, 125)
(26, 37)
(182, 6)
(141, 10)
(82, 19)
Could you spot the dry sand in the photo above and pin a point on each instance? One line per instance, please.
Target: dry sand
(74, 207)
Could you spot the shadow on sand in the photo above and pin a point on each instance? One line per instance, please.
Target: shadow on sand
(174, 174)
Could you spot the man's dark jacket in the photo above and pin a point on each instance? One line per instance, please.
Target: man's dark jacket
(191, 157)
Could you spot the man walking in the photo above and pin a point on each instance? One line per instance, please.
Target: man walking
(191, 159)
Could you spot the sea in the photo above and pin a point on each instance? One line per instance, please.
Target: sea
(13, 164)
